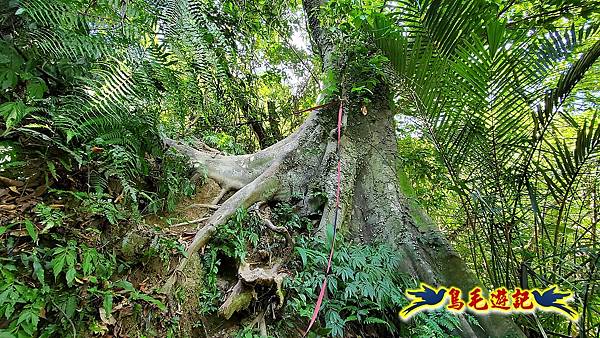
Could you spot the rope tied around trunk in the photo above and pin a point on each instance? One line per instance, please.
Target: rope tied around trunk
(335, 221)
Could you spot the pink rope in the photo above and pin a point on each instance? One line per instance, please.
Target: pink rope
(337, 205)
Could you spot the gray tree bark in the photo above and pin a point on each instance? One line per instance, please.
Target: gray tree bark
(372, 207)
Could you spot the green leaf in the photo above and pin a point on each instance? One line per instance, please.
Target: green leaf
(13, 113)
(302, 253)
(31, 230)
(87, 265)
(70, 276)
(57, 265)
(70, 256)
(70, 135)
(126, 285)
(36, 88)
(4, 295)
(10, 79)
(9, 310)
(150, 300)
(107, 303)
(3, 229)
(350, 318)
(70, 306)
(495, 32)
(52, 169)
(374, 320)
(38, 270)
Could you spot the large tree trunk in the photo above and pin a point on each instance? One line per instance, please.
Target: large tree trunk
(372, 205)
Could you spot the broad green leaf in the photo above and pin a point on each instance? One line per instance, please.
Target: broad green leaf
(52, 169)
(38, 270)
(150, 300)
(107, 302)
(31, 230)
(3, 229)
(70, 306)
(4, 295)
(13, 113)
(36, 88)
(57, 265)
(88, 258)
(303, 256)
(126, 285)
(70, 276)
(9, 79)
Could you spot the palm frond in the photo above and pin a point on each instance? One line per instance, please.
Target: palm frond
(482, 91)
(561, 167)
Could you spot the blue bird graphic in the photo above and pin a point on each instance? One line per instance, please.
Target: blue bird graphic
(551, 299)
(426, 296)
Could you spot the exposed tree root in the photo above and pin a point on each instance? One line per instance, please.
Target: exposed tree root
(224, 190)
(256, 177)
(248, 278)
(239, 299)
(372, 208)
(264, 187)
(289, 241)
(243, 292)
(236, 172)
(260, 321)
(262, 276)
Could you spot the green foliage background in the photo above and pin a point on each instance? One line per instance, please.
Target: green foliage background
(498, 141)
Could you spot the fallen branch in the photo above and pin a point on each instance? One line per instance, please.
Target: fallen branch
(203, 205)
(189, 222)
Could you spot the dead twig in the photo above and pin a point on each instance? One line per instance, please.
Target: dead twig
(202, 205)
(67, 317)
(199, 220)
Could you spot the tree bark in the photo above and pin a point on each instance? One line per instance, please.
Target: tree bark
(372, 205)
